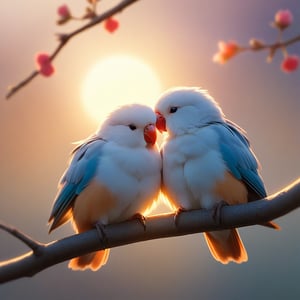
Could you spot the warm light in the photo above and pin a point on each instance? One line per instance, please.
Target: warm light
(118, 80)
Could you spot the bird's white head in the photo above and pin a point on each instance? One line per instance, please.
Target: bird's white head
(130, 126)
(181, 110)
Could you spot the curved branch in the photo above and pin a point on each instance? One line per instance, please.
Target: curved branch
(160, 226)
(65, 38)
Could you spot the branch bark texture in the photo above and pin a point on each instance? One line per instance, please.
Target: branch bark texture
(159, 226)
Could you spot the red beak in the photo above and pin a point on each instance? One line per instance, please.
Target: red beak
(160, 122)
(150, 134)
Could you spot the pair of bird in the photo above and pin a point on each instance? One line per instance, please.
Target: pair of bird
(115, 174)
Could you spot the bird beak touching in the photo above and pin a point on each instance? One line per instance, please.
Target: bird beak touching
(150, 134)
(160, 122)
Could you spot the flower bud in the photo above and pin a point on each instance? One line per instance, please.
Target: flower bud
(44, 64)
(256, 44)
(111, 25)
(226, 51)
(63, 11)
(283, 19)
(64, 14)
(290, 63)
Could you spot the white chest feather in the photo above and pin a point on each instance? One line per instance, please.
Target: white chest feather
(133, 176)
(192, 164)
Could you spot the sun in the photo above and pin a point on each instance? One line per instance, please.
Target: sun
(118, 80)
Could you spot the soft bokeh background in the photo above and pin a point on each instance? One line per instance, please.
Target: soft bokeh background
(177, 39)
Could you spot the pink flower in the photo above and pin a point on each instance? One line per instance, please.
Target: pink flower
(44, 65)
(64, 12)
(290, 63)
(111, 25)
(283, 18)
(226, 51)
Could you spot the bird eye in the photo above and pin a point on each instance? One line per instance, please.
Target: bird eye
(132, 126)
(173, 109)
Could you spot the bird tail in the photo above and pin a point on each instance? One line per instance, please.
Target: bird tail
(93, 261)
(226, 246)
(271, 224)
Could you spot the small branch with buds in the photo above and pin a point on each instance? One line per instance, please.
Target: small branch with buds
(282, 20)
(44, 60)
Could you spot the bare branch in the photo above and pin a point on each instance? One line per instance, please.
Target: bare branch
(65, 38)
(160, 226)
(32, 244)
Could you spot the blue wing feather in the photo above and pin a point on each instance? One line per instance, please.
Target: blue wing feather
(230, 159)
(90, 170)
(239, 158)
(255, 182)
(81, 170)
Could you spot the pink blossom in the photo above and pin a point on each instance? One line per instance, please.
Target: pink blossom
(290, 63)
(44, 65)
(226, 51)
(64, 12)
(111, 25)
(283, 18)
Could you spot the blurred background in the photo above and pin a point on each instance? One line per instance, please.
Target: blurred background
(177, 39)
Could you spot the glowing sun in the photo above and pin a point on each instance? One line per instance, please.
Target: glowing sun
(118, 80)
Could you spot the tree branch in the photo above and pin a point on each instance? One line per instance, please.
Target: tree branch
(160, 226)
(276, 45)
(31, 243)
(272, 48)
(65, 38)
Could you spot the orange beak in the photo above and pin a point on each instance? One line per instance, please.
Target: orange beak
(150, 134)
(160, 122)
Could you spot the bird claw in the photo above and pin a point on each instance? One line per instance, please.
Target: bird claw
(177, 214)
(217, 211)
(140, 218)
(101, 233)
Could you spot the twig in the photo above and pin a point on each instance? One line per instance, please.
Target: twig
(161, 226)
(65, 38)
(36, 247)
(273, 47)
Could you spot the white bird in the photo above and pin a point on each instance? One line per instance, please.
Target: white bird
(207, 160)
(113, 175)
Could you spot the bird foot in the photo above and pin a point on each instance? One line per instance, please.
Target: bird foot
(177, 214)
(101, 234)
(217, 211)
(140, 218)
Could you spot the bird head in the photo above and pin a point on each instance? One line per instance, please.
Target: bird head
(181, 110)
(130, 126)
